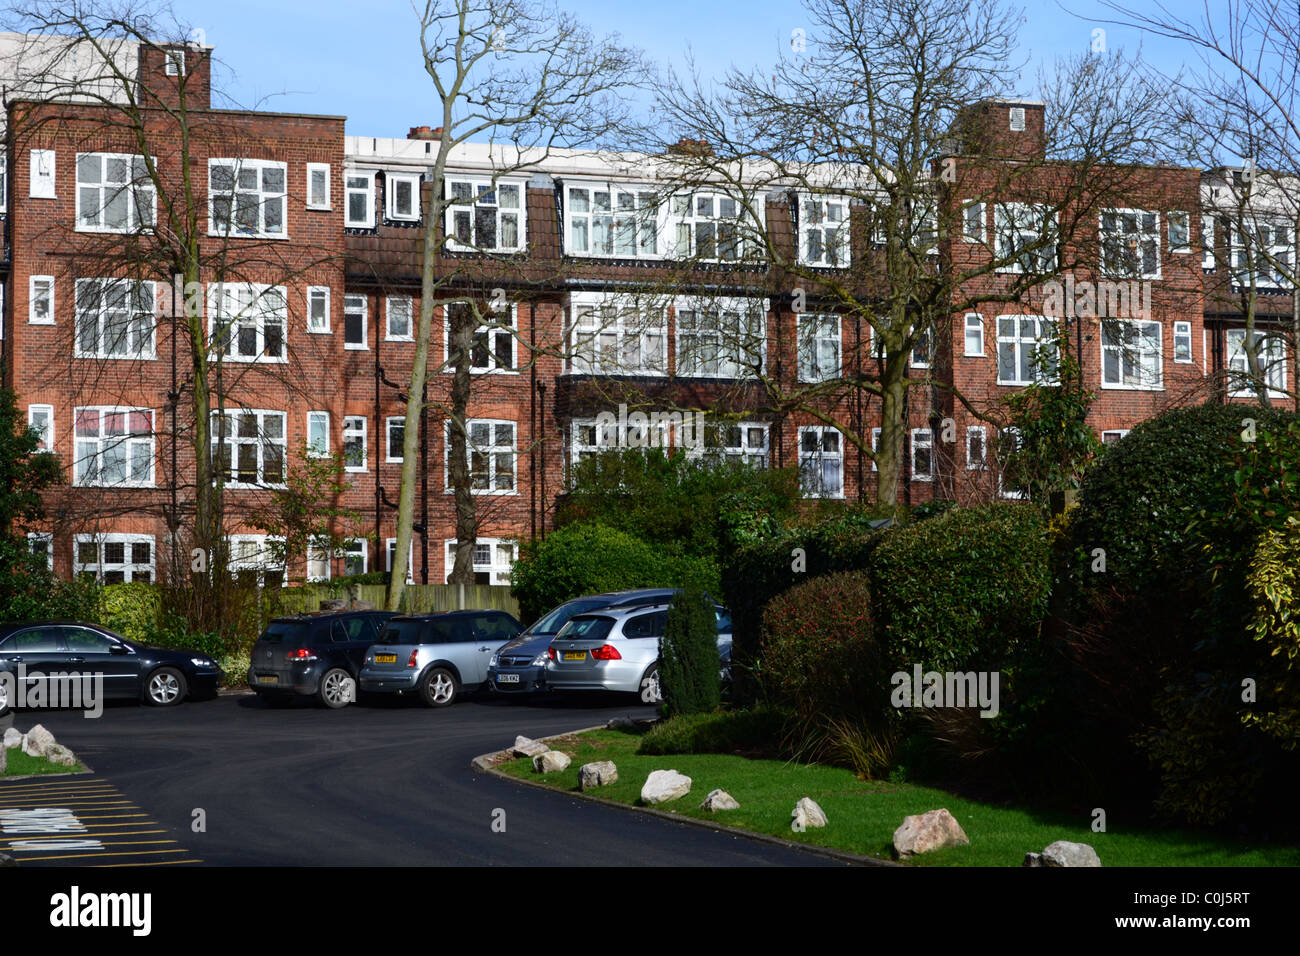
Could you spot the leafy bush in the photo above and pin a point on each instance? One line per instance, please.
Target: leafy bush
(1274, 587)
(688, 673)
(964, 589)
(751, 733)
(132, 610)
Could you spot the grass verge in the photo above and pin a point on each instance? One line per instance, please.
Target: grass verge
(22, 765)
(863, 815)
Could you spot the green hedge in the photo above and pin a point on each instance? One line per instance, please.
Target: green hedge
(688, 673)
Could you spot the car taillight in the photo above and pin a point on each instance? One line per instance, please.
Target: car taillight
(410, 661)
(550, 652)
(606, 653)
(302, 654)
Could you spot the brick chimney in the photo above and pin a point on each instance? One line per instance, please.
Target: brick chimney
(691, 147)
(424, 132)
(1002, 129)
(166, 68)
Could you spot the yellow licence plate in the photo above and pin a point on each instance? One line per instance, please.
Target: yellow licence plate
(575, 655)
(273, 679)
(385, 658)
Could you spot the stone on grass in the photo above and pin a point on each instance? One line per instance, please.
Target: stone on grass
(719, 800)
(925, 832)
(1064, 853)
(807, 814)
(36, 741)
(13, 738)
(61, 755)
(620, 723)
(599, 774)
(527, 747)
(550, 762)
(664, 785)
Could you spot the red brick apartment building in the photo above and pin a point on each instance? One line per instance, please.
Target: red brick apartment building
(315, 240)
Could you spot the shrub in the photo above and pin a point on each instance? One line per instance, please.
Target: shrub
(688, 674)
(131, 610)
(964, 589)
(750, 733)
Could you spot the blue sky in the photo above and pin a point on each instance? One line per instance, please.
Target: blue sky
(363, 60)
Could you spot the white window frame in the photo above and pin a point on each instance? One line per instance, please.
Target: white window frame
(316, 449)
(980, 208)
(817, 212)
(131, 441)
(256, 306)
(263, 558)
(1183, 330)
(47, 538)
(389, 457)
(981, 463)
(493, 451)
(402, 303)
(686, 224)
(1272, 356)
(967, 328)
(1117, 432)
(314, 200)
(727, 361)
(1016, 119)
(1045, 332)
(1266, 277)
(4, 181)
(1124, 352)
(321, 294)
(922, 350)
(354, 426)
(140, 301)
(1172, 219)
(921, 438)
(367, 189)
(356, 547)
(875, 446)
(319, 554)
(629, 209)
(350, 303)
(1208, 259)
(46, 431)
(498, 570)
(130, 567)
(609, 335)
(746, 442)
(1019, 224)
(479, 187)
(35, 295)
(818, 337)
(587, 438)
(390, 196)
(265, 197)
(390, 554)
(1132, 227)
(138, 188)
(261, 441)
(1014, 494)
(821, 457)
(173, 61)
(43, 163)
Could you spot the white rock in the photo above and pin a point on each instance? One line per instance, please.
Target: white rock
(550, 762)
(599, 774)
(13, 738)
(1065, 853)
(806, 813)
(719, 800)
(664, 785)
(36, 740)
(924, 832)
(527, 747)
(61, 755)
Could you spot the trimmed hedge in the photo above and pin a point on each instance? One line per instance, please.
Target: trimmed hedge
(688, 674)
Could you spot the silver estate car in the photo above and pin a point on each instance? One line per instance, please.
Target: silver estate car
(617, 649)
(435, 655)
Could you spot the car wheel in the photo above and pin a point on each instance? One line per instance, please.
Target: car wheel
(338, 688)
(438, 687)
(651, 692)
(165, 687)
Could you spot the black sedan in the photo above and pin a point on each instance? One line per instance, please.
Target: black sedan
(59, 663)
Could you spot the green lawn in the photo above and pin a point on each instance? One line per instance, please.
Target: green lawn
(20, 765)
(863, 815)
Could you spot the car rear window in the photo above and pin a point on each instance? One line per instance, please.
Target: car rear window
(286, 632)
(586, 628)
(403, 632)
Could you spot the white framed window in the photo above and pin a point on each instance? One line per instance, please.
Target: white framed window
(1025, 235)
(354, 443)
(1180, 232)
(1183, 343)
(40, 300)
(922, 350)
(249, 447)
(115, 319)
(394, 438)
(248, 198)
(390, 554)
(247, 322)
(40, 419)
(824, 238)
(259, 556)
(492, 456)
(821, 462)
(42, 174)
(359, 199)
(1010, 441)
(875, 446)
(318, 308)
(318, 185)
(744, 442)
(976, 448)
(41, 543)
(922, 454)
(709, 226)
(974, 330)
(1270, 350)
(356, 557)
(1130, 243)
(399, 314)
(972, 221)
(403, 194)
(724, 338)
(319, 563)
(4, 181)
(114, 447)
(355, 308)
(1113, 435)
(484, 217)
(587, 438)
(493, 559)
(819, 347)
(610, 335)
(1208, 260)
(1027, 349)
(1131, 355)
(1264, 253)
(174, 62)
(1016, 119)
(611, 221)
(318, 434)
(114, 193)
(114, 558)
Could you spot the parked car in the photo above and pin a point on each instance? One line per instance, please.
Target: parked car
(159, 676)
(316, 655)
(439, 656)
(520, 666)
(618, 649)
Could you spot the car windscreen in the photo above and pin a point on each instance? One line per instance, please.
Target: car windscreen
(587, 627)
(286, 632)
(556, 619)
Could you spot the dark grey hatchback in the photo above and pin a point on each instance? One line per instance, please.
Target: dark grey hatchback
(313, 655)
